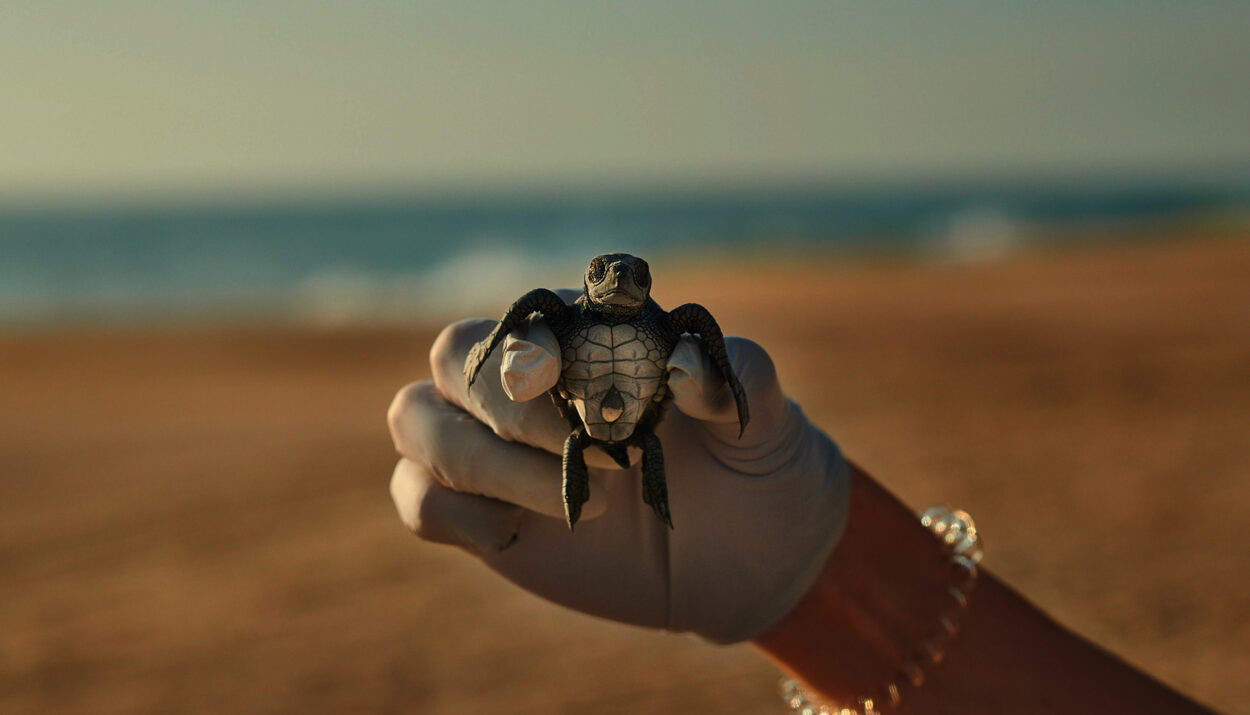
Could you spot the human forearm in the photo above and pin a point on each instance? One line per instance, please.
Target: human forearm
(880, 598)
(1011, 657)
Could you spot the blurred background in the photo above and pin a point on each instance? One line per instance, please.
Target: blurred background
(999, 252)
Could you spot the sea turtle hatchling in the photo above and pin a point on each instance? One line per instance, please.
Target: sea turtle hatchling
(615, 342)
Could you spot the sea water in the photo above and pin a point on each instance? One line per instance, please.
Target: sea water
(401, 259)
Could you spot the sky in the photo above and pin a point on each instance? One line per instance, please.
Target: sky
(178, 99)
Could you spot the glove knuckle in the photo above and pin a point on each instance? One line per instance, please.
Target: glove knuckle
(455, 449)
(751, 362)
(421, 503)
(454, 342)
(409, 492)
(402, 412)
(426, 516)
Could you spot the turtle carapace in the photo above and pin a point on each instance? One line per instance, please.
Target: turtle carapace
(613, 387)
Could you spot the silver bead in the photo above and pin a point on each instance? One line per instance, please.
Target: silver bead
(912, 672)
(892, 696)
(966, 564)
(969, 526)
(792, 694)
(960, 597)
(931, 516)
(963, 544)
(934, 650)
(954, 531)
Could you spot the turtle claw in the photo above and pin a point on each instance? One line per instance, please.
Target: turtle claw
(572, 512)
(654, 487)
(576, 476)
(476, 359)
(661, 510)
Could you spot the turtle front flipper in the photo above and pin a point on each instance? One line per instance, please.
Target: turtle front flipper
(576, 475)
(694, 318)
(539, 300)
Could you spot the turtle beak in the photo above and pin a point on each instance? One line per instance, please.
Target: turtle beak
(619, 287)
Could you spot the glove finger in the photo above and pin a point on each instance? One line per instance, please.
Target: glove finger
(463, 454)
(441, 515)
(699, 390)
(536, 422)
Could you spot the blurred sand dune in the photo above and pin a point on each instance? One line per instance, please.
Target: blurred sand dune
(199, 521)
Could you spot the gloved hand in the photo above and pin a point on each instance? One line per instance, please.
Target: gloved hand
(755, 518)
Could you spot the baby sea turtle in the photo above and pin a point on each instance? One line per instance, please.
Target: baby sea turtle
(615, 342)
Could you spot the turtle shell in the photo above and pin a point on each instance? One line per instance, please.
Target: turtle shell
(612, 373)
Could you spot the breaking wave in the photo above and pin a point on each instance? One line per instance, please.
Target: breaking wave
(426, 260)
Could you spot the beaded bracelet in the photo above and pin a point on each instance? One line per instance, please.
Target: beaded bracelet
(962, 544)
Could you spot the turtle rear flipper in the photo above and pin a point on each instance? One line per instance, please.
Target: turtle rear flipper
(654, 487)
(576, 475)
(539, 300)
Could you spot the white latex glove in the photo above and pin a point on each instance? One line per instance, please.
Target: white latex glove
(755, 518)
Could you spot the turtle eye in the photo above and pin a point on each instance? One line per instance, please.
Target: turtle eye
(597, 270)
(642, 275)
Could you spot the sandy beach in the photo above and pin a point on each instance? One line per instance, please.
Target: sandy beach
(198, 520)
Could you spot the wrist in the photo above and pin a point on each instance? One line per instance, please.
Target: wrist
(874, 627)
(880, 594)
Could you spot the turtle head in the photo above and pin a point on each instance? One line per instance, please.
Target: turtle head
(618, 283)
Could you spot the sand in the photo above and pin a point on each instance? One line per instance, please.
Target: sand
(198, 520)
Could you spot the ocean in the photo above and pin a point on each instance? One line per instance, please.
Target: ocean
(334, 262)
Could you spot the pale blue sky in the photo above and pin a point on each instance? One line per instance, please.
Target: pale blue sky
(195, 98)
